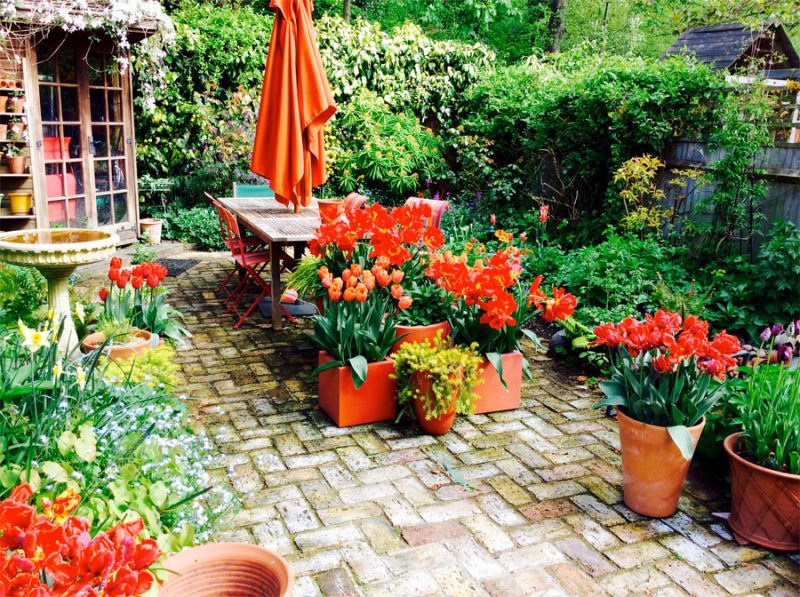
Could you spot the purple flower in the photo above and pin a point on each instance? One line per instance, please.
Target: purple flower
(785, 353)
(428, 182)
(797, 327)
(777, 329)
(436, 197)
(478, 195)
(766, 335)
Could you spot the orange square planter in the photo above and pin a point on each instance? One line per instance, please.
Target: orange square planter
(492, 396)
(375, 400)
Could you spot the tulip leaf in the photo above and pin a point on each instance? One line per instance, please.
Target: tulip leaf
(680, 435)
(358, 370)
(496, 359)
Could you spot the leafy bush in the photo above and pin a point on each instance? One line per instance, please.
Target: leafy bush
(198, 225)
(22, 291)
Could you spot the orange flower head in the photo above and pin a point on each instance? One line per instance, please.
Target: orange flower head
(349, 294)
(346, 275)
(383, 278)
(334, 293)
(405, 302)
(368, 279)
(397, 291)
(397, 276)
(356, 269)
(60, 508)
(361, 293)
(561, 306)
(503, 236)
(323, 272)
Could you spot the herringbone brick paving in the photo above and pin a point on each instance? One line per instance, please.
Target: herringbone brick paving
(527, 502)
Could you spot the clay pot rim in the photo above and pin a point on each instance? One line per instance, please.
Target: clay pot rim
(442, 323)
(700, 423)
(728, 444)
(328, 358)
(95, 339)
(150, 221)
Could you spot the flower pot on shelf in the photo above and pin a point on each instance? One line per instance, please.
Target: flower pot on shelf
(435, 425)
(419, 333)
(16, 164)
(20, 204)
(374, 401)
(765, 503)
(653, 468)
(3, 103)
(152, 228)
(330, 210)
(235, 569)
(3, 129)
(140, 341)
(16, 105)
(17, 129)
(492, 395)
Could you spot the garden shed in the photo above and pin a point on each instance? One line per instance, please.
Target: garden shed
(66, 113)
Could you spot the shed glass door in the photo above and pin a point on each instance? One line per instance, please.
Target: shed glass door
(86, 138)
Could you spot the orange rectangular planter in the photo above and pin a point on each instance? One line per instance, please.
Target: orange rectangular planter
(492, 396)
(375, 400)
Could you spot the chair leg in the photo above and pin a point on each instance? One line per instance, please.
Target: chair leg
(223, 287)
(250, 309)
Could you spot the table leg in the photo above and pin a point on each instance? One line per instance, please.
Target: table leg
(275, 273)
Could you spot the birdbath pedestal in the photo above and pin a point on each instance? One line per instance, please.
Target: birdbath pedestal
(56, 253)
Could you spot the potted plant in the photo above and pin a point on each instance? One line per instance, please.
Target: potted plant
(354, 336)
(330, 210)
(15, 159)
(666, 374)
(16, 103)
(438, 381)
(765, 456)
(151, 230)
(427, 317)
(16, 128)
(491, 309)
(226, 569)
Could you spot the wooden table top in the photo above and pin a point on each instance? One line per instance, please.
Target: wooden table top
(273, 222)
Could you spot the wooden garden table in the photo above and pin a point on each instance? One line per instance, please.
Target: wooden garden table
(279, 227)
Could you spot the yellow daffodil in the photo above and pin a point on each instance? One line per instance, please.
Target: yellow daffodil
(80, 377)
(51, 314)
(58, 369)
(80, 312)
(33, 340)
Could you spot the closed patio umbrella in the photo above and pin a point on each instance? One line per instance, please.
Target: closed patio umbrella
(296, 101)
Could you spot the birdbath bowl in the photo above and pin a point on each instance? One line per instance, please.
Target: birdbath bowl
(56, 253)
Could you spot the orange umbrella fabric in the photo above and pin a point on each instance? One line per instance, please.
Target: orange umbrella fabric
(296, 102)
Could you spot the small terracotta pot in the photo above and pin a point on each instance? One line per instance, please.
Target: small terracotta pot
(141, 341)
(492, 396)
(436, 425)
(16, 165)
(17, 128)
(375, 400)
(419, 333)
(330, 210)
(16, 105)
(653, 469)
(20, 204)
(3, 129)
(152, 227)
(230, 569)
(765, 504)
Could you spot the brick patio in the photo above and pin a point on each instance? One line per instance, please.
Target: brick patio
(377, 510)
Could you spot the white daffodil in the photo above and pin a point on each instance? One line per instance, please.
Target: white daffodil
(58, 369)
(80, 377)
(51, 314)
(80, 312)
(33, 340)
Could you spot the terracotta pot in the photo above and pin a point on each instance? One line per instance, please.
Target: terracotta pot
(492, 396)
(3, 130)
(17, 128)
(419, 333)
(16, 165)
(3, 103)
(20, 204)
(765, 504)
(374, 401)
(152, 227)
(653, 470)
(230, 569)
(16, 105)
(141, 341)
(437, 425)
(330, 210)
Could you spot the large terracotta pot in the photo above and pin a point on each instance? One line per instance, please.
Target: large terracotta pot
(653, 469)
(436, 425)
(152, 228)
(419, 333)
(140, 341)
(229, 569)
(330, 210)
(765, 504)
(375, 400)
(492, 396)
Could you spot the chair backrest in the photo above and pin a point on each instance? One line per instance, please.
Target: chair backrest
(223, 226)
(438, 207)
(234, 235)
(252, 190)
(353, 202)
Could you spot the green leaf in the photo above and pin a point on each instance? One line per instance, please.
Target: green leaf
(66, 442)
(496, 360)
(680, 435)
(159, 494)
(86, 445)
(358, 370)
(54, 471)
(326, 366)
(533, 338)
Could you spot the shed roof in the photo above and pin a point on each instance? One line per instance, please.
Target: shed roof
(724, 46)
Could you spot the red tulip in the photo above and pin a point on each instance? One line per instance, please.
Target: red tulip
(116, 263)
(113, 274)
(103, 294)
(137, 282)
(544, 211)
(152, 281)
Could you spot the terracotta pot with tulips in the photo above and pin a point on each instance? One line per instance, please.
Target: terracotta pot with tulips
(666, 374)
(437, 381)
(491, 308)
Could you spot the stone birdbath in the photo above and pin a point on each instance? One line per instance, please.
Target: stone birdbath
(56, 253)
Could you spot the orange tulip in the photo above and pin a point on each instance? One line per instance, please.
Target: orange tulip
(397, 291)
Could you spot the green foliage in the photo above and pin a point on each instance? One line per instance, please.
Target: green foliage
(198, 225)
(432, 304)
(386, 153)
(450, 373)
(304, 278)
(143, 252)
(155, 367)
(767, 401)
(22, 292)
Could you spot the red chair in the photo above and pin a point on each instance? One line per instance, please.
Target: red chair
(353, 202)
(438, 207)
(251, 264)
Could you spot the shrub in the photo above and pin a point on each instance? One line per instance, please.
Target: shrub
(198, 225)
(22, 292)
